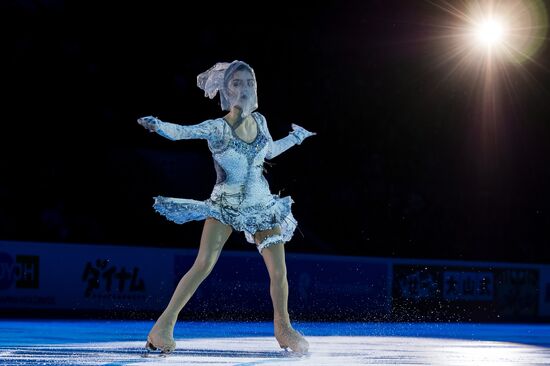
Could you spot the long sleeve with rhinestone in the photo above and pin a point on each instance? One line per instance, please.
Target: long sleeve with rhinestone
(204, 130)
(280, 146)
(276, 148)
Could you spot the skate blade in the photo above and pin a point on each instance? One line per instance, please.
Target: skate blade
(150, 351)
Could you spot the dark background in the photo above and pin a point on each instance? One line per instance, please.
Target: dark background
(404, 165)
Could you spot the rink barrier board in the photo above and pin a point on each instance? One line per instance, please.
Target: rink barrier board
(131, 281)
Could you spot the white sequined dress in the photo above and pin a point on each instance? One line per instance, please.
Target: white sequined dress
(241, 196)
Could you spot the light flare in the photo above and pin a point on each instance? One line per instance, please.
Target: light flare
(490, 32)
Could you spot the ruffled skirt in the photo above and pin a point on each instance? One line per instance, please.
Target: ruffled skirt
(248, 218)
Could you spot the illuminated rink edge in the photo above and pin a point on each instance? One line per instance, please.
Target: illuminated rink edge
(80, 343)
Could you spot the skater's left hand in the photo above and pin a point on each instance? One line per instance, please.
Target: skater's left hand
(301, 133)
(151, 123)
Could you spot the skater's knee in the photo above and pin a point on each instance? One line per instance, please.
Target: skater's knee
(204, 265)
(278, 275)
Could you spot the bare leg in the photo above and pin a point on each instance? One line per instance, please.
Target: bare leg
(214, 236)
(274, 258)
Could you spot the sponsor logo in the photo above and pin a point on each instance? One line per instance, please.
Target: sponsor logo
(24, 271)
(105, 280)
(418, 285)
(468, 286)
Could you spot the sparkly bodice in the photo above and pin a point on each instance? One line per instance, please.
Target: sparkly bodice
(239, 167)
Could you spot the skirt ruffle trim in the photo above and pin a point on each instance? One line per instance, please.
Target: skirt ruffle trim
(248, 219)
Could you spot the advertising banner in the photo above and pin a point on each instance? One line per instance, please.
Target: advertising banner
(83, 277)
(464, 293)
(123, 280)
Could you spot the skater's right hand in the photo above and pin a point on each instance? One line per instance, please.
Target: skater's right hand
(301, 133)
(149, 122)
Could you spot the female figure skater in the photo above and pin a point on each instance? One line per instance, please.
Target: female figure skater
(241, 199)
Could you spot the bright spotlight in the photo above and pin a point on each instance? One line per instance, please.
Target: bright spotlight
(500, 31)
(490, 32)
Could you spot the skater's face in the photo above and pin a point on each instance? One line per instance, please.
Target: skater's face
(241, 91)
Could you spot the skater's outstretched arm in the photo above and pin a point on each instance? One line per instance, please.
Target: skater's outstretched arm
(173, 131)
(295, 137)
